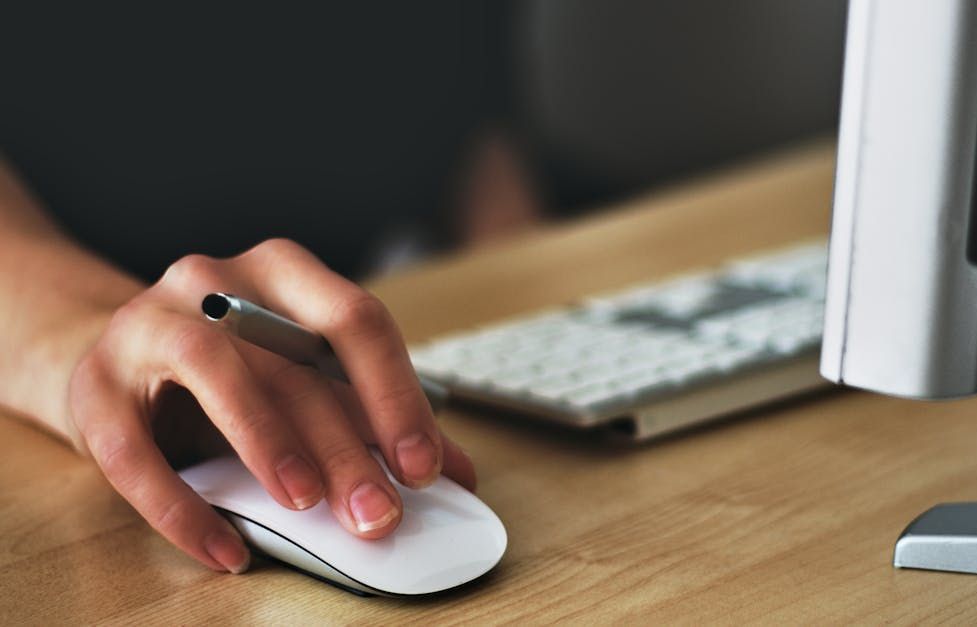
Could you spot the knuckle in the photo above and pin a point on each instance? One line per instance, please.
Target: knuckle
(340, 458)
(399, 398)
(125, 318)
(294, 382)
(276, 247)
(116, 456)
(132, 321)
(174, 517)
(256, 428)
(273, 257)
(191, 270)
(193, 342)
(363, 314)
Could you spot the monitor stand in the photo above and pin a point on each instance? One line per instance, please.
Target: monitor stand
(941, 538)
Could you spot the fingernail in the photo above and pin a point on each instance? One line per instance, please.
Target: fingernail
(228, 550)
(301, 481)
(371, 507)
(418, 459)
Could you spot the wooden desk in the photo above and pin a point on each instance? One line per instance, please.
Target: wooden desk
(787, 515)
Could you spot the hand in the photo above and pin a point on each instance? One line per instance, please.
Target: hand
(302, 436)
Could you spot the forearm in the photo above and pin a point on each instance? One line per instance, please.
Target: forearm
(55, 298)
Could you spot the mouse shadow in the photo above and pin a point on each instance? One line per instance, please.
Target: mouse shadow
(476, 586)
(262, 562)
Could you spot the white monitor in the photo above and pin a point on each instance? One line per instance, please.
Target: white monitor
(901, 308)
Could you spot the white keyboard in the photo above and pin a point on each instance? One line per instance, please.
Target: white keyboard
(653, 358)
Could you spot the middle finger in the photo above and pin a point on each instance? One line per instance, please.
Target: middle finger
(356, 488)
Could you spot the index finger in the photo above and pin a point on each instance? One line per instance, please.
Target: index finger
(120, 442)
(292, 281)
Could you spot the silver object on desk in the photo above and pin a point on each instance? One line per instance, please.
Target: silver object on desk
(282, 336)
(942, 538)
(901, 304)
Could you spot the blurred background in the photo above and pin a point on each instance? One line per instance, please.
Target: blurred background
(380, 132)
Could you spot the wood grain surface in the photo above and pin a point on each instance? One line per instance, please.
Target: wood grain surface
(786, 515)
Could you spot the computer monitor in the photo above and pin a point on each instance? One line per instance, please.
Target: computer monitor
(901, 304)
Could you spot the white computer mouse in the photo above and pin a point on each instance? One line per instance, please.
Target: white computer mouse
(447, 536)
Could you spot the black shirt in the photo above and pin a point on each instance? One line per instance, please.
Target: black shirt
(152, 131)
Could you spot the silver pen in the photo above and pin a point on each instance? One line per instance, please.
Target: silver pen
(261, 327)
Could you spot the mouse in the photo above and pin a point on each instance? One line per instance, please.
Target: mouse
(447, 536)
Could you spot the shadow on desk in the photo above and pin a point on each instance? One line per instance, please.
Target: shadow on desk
(602, 441)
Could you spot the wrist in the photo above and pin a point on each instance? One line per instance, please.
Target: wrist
(64, 306)
(51, 362)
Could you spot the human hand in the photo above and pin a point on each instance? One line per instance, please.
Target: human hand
(303, 436)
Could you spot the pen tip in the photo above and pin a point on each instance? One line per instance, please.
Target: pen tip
(215, 306)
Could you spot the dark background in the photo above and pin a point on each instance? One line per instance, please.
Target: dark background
(153, 131)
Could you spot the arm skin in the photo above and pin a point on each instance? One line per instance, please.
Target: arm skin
(55, 300)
